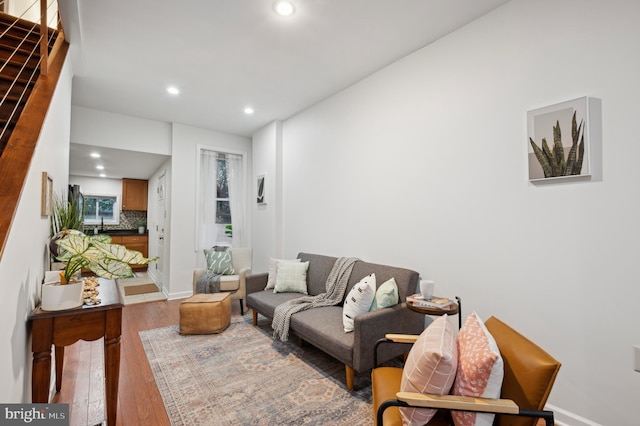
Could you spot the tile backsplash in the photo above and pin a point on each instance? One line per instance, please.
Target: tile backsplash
(128, 220)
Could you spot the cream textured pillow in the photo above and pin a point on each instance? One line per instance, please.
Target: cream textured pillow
(358, 301)
(480, 370)
(291, 277)
(430, 368)
(273, 264)
(219, 262)
(386, 295)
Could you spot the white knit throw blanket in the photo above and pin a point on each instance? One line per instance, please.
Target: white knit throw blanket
(336, 285)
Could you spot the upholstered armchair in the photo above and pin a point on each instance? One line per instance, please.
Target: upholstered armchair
(241, 259)
(529, 374)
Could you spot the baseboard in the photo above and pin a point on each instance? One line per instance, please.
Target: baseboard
(179, 295)
(567, 418)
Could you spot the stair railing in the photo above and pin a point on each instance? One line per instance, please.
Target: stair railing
(45, 41)
(17, 145)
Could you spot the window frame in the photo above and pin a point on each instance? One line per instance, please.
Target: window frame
(116, 210)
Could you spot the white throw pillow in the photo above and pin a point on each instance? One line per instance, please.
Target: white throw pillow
(358, 301)
(291, 277)
(273, 264)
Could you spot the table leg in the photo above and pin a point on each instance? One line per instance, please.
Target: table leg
(112, 362)
(59, 353)
(41, 346)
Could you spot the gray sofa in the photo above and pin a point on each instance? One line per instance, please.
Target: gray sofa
(322, 327)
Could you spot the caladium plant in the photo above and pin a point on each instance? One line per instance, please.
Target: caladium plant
(96, 253)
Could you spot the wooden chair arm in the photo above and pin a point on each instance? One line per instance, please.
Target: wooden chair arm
(401, 338)
(462, 403)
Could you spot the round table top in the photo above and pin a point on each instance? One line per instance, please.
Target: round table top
(453, 310)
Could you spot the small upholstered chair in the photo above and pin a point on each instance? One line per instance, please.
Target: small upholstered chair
(241, 259)
(529, 373)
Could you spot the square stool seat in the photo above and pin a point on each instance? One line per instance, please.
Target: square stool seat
(205, 313)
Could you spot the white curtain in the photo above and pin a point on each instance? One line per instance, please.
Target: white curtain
(235, 173)
(207, 203)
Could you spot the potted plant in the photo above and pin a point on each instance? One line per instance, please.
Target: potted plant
(66, 217)
(142, 226)
(95, 253)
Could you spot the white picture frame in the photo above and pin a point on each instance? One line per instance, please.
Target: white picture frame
(549, 160)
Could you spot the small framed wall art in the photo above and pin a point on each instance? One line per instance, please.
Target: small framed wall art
(261, 199)
(46, 198)
(558, 141)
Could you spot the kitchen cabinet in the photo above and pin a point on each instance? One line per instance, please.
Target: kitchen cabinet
(134, 242)
(134, 194)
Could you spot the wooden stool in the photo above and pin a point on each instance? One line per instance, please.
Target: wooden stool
(205, 313)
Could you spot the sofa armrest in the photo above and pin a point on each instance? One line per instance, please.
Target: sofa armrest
(454, 402)
(373, 326)
(256, 282)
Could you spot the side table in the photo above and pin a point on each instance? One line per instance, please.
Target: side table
(63, 328)
(456, 309)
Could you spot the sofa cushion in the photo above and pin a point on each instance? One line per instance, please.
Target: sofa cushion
(291, 277)
(406, 279)
(219, 262)
(358, 301)
(386, 295)
(323, 327)
(430, 368)
(273, 265)
(265, 301)
(319, 269)
(480, 370)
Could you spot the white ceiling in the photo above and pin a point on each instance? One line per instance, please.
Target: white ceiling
(225, 55)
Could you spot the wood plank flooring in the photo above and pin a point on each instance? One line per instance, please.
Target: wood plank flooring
(139, 401)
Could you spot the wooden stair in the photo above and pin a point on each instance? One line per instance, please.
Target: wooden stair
(27, 96)
(19, 56)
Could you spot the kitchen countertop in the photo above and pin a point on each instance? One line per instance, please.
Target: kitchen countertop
(121, 232)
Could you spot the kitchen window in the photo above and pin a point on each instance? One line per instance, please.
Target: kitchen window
(101, 209)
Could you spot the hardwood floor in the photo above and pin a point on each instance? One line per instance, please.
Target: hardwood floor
(139, 401)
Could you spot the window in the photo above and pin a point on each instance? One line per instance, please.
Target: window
(223, 209)
(221, 199)
(100, 208)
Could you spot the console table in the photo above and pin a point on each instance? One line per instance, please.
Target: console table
(63, 328)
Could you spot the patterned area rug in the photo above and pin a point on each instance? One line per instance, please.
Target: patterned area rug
(243, 377)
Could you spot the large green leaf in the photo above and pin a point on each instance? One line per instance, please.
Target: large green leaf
(97, 254)
(110, 268)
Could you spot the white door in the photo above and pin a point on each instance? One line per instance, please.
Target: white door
(161, 214)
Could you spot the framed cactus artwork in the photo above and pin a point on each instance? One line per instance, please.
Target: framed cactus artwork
(558, 141)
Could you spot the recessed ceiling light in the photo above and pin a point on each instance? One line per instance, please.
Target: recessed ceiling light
(95, 155)
(248, 110)
(100, 167)
(284, 8)
(103, 175)
(172, 90)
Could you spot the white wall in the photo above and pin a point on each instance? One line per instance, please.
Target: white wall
(267, 160)
(423, 165)
(101, 128)
(183, 257)
(23, 261)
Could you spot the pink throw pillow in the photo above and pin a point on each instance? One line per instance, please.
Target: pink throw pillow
(480, 370)
(430, 368)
